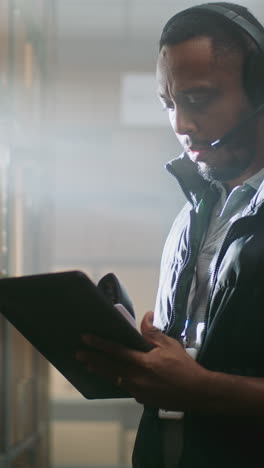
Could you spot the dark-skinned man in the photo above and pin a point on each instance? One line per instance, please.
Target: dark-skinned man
(205, 410)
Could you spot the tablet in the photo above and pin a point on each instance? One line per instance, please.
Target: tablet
(54, 310)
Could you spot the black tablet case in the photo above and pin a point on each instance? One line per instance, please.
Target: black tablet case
(54, 310)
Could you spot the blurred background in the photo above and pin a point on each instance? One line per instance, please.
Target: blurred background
(83, 142)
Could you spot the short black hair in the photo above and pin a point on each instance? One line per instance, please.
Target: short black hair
(225, 36)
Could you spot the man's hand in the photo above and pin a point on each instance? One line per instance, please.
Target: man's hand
(165, 377)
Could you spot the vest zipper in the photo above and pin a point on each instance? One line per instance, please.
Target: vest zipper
(171, 331)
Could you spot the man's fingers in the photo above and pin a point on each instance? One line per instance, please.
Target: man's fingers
(115, 350)
(125, 376)
(101, 365)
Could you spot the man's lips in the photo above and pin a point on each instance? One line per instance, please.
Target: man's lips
(198, 153)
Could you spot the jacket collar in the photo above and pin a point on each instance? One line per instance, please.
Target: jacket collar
(257, 199)
(193, 185)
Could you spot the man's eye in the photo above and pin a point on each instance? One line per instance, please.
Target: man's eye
(168, 105)
(196, 100)
(192, 99)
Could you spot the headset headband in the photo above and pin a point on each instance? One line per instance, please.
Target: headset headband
(232, 17)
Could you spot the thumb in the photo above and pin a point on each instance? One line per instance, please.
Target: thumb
(152, 334)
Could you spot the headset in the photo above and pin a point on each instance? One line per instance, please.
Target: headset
(253, 73)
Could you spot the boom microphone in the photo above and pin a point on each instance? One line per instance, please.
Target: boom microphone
(236, 130)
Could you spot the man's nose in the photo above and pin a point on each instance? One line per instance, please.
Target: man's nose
(183, 122)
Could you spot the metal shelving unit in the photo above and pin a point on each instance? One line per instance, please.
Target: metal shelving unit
(24, 409)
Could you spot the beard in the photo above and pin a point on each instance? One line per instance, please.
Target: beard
(221, 174)
(240, 157)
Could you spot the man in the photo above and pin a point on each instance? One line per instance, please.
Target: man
(210, 294)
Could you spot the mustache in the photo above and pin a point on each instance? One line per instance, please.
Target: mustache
(189, 142)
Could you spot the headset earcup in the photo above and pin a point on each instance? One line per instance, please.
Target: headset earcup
(254, 78)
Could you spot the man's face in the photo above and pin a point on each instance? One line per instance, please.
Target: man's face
(205, 99)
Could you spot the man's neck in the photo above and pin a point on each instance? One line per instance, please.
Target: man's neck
(249, 172)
